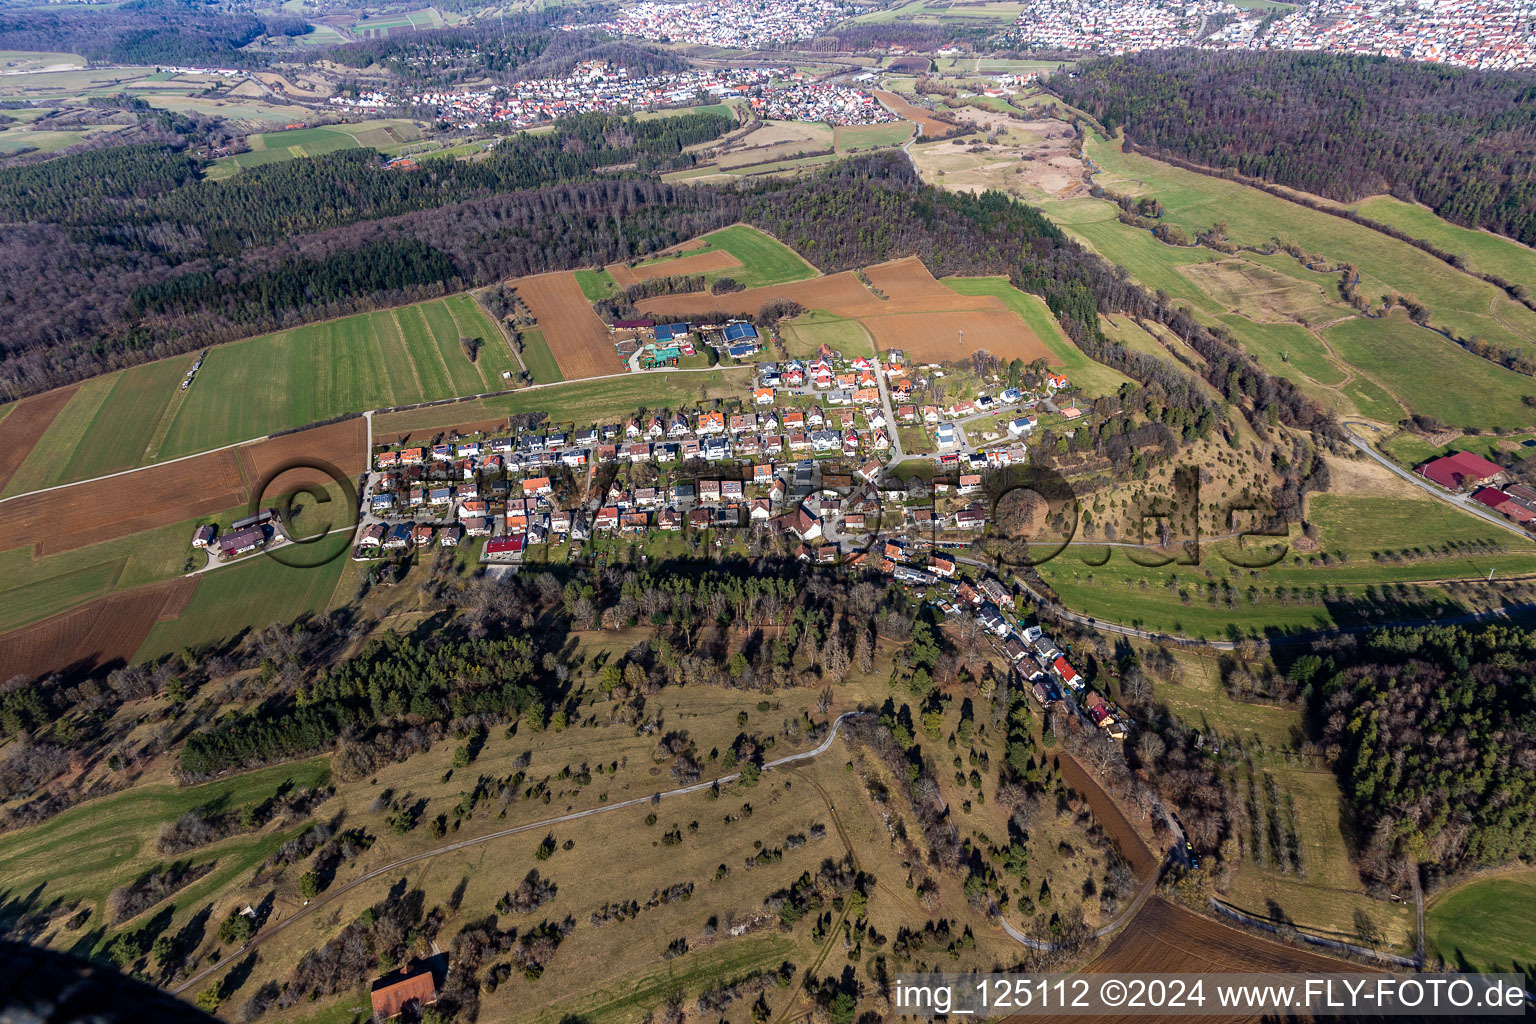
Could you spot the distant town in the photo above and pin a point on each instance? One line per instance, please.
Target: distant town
(781, 93)
(1466, 33)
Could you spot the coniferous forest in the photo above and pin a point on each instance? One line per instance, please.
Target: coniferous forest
(1461, 142)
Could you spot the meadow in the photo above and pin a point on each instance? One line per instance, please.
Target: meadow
(1194, 202)
(1434, 376)
(857, 138)
(1488, 924)
(1346, 590)
(110, 841)
(1259, 298)
(805, 333)
(1484, 251)
(251, 595)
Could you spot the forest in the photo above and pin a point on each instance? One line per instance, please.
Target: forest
(1432, 731)
(143, 32)
(521, 46)
(1461, 142)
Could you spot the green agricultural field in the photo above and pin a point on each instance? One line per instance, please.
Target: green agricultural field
(273, 147)
(1487, 925)
(596, 284)
(1360, 524)
(248, 389)
(1193, 201)
(1484, 251)
(804, 334)
(539, 359)
(856, 138)
(579, 402)
(1433, 375)
(764, 259)
(35, 588)
(394, 357)
(251, 595)
(1093, 377)
(111, 840)
(718, 109)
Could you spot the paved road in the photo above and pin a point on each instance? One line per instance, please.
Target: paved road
(278, 927)
(1461, 501)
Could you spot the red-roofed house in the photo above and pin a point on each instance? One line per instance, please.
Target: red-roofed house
(1460, 471)
(394, 992)
(1067, 673)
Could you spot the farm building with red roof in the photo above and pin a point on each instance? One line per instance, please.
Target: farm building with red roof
(1460, 471)
(394, 992)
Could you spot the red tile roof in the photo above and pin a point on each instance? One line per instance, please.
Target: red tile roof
(1491, 496)
(392, 992)
(1460, 470)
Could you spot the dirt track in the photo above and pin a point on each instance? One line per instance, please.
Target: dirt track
(699, 263)
(578, 340)
(108, 629)
(26, 423)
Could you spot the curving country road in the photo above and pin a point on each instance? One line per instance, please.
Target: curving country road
(315, 904)
(1460, 501)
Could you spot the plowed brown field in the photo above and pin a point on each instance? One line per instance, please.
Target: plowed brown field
(699, 263)
(919, 315)
(1165, 938)
(24, 424)
(72, 517)
(1109, 816)
(937, 337)
(340, 444)
(109, 629)
(932, 128)
(577, 338)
